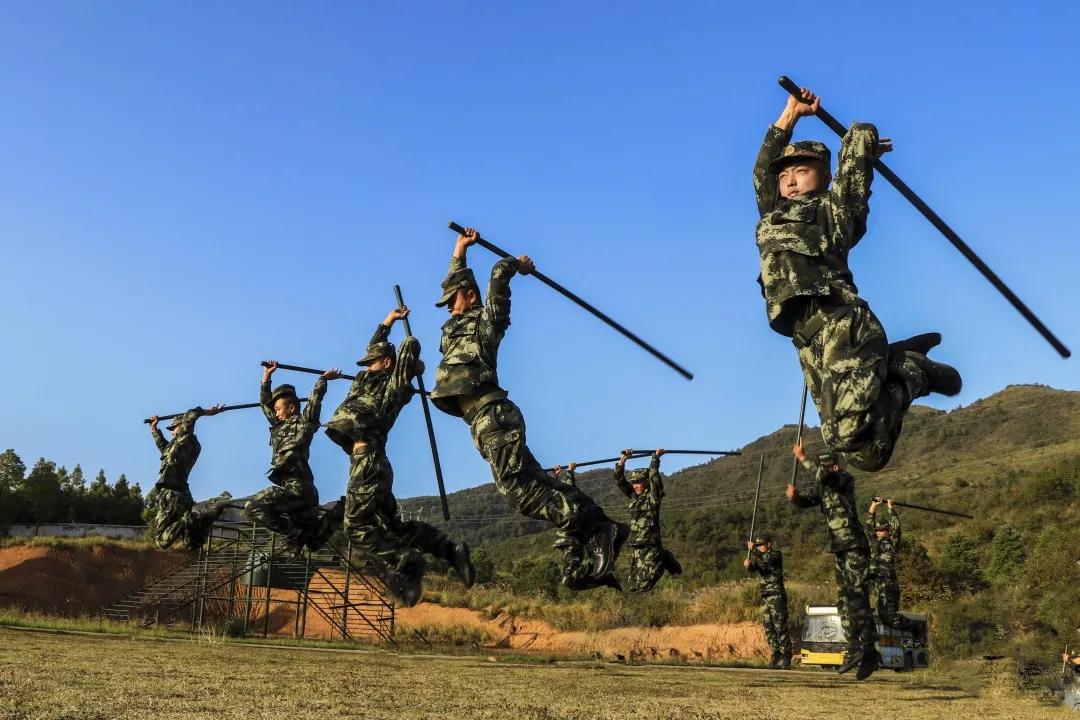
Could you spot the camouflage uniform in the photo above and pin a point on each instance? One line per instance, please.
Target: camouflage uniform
(835, 493)
(860, 388)
(393, 547)
(774, 601)
(175, 518)
(291, 506)
(470, 345)
(883, 580)
(648, 558)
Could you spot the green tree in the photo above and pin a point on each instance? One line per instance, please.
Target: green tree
(484, 566)
(960, 564)
(97, 499)
(12, 472)
(73, 487)
(41, 496)
(1008, 554)
(920, 578)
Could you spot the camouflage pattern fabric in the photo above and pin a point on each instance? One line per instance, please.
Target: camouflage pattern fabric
(290, 439)
(577, 562)
(568, 477)
(176, 521)
(770, 569)
(289, 508)
(470, 341)
(375, 398)
(834, 493)
(372, 522)
(774, 619)
(853, 597)
(861, 393)
(884, 583)
(178, 455)
(648, 558)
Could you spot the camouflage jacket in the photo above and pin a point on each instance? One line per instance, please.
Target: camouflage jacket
(883, 551)
(644, 508)
(375, 398)
(770, 565)
(470, 341)
(835, 493)
(290, 439)
(804, 242)
(178, 455)
(567, 477)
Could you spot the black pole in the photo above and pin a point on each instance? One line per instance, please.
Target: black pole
(648, 453)
(585, 305)
(427, 418)
(757, 495)
(933, 510)
(798, 439)
(298, 368)
(244, 406)
(942, 227)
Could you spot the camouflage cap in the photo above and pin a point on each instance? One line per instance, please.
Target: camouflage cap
(802, 150)
(882, 525)
(175, 422)
(377, 350)
(283, 391)
(827, 459)
(458, 280)
(762, 539)
(639, 477)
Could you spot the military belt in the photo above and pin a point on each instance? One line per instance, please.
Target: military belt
(818, 311)
(482, 403)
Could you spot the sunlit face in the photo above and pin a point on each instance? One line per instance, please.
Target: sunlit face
(763, 547)
(464, 299)
(881, 534)
(639, 487)
(802, 178)
(384, 363)
(285, 408)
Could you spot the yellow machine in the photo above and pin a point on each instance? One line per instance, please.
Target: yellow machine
(824, 641)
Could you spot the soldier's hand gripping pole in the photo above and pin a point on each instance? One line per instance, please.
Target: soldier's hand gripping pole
(897, 503)
(585, 305)
(798, 438)
(313, 371)
(942, 227)
(244, 406)
(427, 417)
(757, 495)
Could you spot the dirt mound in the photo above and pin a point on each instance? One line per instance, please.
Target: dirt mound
(75, 580)
(692, 643)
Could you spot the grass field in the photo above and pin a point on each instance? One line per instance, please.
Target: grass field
(75, 677)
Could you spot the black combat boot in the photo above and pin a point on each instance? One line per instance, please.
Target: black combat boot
(406, 584)
(921, 344)
(671, 564)
(777, 658)
(605, 544)
(463, 564)
(871, 660)
(853, 658)
(589, 582)
(787, 661)
(327, 525)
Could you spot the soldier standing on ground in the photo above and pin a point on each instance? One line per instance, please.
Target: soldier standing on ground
(176, 519)
(291, 506)
(649, 558)
(467, 386)
(768, 563)
(862, 385)
(360, 426)
(833, 489)
(884, 583)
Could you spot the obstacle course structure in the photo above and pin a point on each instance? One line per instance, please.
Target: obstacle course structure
(243, 575)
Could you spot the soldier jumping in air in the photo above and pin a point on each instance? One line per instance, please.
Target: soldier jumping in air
(291, 506)
(861, 384)
(360, 426)
(645, 489)
(884, 548)
(834, 490)
(467, 386)
(768, 563)
(176, 518)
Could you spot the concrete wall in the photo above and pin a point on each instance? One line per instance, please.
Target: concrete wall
(60, 530)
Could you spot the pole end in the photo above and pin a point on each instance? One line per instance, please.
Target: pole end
(456, 228)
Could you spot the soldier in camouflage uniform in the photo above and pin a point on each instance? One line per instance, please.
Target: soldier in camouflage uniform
(176, 519)
(291, 506)
(862, 385)
(649, 558)
(884, 549)
(467, 386)
(569, 478)
(833, 490)
(360, 426)
(768, 563)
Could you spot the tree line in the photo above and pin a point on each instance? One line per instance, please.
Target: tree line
(50, 494)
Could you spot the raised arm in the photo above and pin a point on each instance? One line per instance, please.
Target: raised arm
(894, 522)
(620, 474)
(264, 392)
(656, 481)
(159, 439)
(313, 409)
(850, 192)
(776, 137)
(497, 305)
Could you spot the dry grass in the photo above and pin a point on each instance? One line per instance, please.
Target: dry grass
(55, 677)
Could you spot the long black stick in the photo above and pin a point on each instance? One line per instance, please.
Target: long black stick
(757, 494)
(798, 438)
(427, 417)
(298, 368)
(942, 227)
(244, 406)
(930, 509)
(647, 453)
(587, 306)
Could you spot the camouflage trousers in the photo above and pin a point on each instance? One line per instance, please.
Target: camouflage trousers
(176, 520)
(647, 565)
(498, 430)
(774, 619)
(886, 587)
(289, 508)
(861, 391)
(372, 523)
(853, 597)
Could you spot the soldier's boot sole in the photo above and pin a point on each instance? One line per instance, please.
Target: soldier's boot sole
(870, 662)
(463, 564)
(406, 586)
(921, 344)
(944, 379)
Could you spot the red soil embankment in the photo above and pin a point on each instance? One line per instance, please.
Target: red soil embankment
(76, 580)
(691, 643)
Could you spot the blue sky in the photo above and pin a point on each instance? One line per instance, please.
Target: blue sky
(186, 189)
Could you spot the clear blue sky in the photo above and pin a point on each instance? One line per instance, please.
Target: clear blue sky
(186, 189)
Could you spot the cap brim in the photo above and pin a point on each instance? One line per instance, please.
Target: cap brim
(446, 297)
(368, 359)
(794, 158)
